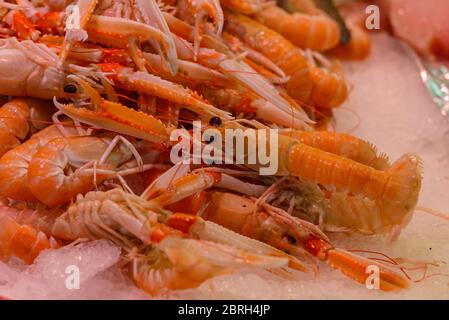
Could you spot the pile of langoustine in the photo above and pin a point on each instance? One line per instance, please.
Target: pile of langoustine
(90, 159)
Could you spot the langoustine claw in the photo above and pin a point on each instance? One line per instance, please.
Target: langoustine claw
(168, 257)
(261, 221)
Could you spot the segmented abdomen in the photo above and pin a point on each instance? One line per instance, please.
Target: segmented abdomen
(329, 88)
(316, 32)
(358, 48)
(343, 145)
(14, 126)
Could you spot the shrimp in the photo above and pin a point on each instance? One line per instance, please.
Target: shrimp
(395, 191)
(186, 263)
(218, 56)
(14, 164)
(177, 251)
(21, 241)
(260, 221)
(189, 73)
(276, 48)
(50, 167)
(142, 81)
(112, 115)
(317, 31)
(388, 215)
(231, 69)
(242, 101)
(116, 30)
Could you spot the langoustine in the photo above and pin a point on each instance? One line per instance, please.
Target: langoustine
(259, 220)
(138, 63)
(167, 256)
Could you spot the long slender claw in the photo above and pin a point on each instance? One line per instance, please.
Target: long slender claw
(188, 253)
(164, 181)
(147, 83)
(207, 230)
(114, 116)
(189, 72)
(219, 17)
(360, 269)
(152, 14)
(116, 32)
(187, 186)
(84, 10)
(250, 78)
(357, 268)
